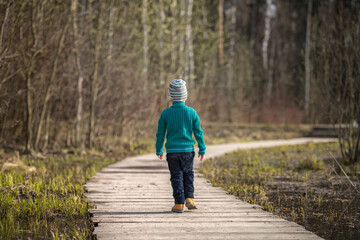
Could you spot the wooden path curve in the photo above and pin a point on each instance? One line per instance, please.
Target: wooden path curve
(133, 198)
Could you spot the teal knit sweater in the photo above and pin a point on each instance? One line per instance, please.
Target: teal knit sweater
(179, 122)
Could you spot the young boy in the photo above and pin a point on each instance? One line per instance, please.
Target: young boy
(179, 122)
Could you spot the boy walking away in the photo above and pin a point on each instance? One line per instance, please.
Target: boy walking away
(178, 122)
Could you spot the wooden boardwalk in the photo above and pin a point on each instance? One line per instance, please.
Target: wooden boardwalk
(133, 198)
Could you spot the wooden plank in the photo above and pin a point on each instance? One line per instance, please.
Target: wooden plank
(208, 235)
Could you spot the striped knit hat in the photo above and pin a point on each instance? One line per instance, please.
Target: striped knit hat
(177, 90)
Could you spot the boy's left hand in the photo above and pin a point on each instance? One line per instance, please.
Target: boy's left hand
(161, 156)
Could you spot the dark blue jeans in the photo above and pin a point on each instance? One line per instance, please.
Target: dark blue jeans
(182, 175)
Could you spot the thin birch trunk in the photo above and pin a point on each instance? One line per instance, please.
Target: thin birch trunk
(270, 72)
(28, 109)
(145, 44)
(190, 46)
(307, 60)
(231, 46)
(47, 129)
(253, 27)
(205, 36)
(266, 35)
(189, 52)
(204, 19)
(221, 32)
(270, 13)
(173, 35)
(229, 88)
(29, 75)
(68, 134)
(111, 31)
(182, 42)
(50, 82)
(79, 72)
(161, 38)
(95, 78)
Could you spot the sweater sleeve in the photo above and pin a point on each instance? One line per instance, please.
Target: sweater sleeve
(160, 135)
(198, 132)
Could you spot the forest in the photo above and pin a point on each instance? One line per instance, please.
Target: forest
(72, 71)
(83, 83)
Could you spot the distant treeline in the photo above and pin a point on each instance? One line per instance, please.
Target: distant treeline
(73, 70)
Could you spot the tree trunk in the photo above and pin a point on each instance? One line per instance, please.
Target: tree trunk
(205, 36)
(161, 38)
(307, 60)
(68, 134)
(78, 138)
(48, 87)
(173, 36)
(29, 74)
(28, 110)
(270, 72)
(47, 128)
(204, 19)
(145, 44)
(111, 31)
(189, 52)
(3, 27)
(270, 13)
(190, 45)
(253, 27)
(229, 87)
(221, 33)
(95, 78)
(267, 30)
(182, 42)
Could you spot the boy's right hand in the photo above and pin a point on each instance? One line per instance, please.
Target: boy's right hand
(201, 157)
(161, 156)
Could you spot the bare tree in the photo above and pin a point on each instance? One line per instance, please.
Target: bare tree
(145, 42)
(79, 72)
(111, 31)
(94, 77)
(307, 59)
(267, 30)
(205, 39)
(270, 13)
(253, 25)
(229, 87)
(173, 35)
(50, 82)
(221, 32)
(29, 63)
(182, 60)
(189, 59)
(161, 42)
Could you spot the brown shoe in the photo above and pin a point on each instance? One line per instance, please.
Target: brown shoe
(178, 208)
(190, 204)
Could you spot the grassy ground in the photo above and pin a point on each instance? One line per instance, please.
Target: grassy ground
(300, 183)
(43, 197)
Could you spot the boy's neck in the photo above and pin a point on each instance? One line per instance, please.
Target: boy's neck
(178, 103)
